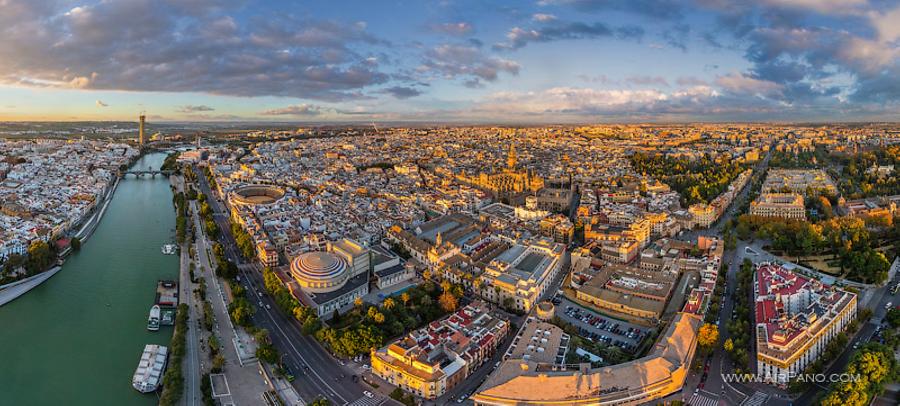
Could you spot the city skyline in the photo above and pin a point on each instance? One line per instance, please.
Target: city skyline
(548, 61)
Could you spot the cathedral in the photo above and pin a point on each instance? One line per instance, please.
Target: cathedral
(510, 181)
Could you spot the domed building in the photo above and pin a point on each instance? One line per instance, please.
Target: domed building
(319, 272)
(333, 279)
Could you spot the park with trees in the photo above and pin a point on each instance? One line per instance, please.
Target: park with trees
(846, 246)
(368, 326)
(696, 180)
(857, 181)
(871, 368)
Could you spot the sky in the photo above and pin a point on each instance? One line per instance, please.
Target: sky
(544, 61)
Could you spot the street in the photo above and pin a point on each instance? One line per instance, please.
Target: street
(316, 372)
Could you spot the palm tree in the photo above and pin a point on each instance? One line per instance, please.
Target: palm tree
(405, 298)
(388, 303)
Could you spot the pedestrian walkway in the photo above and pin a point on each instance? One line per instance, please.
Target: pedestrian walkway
(367, 401)
(702, 400)
(758, 399)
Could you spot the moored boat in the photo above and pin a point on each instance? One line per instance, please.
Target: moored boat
(153, 321)
(148, 374)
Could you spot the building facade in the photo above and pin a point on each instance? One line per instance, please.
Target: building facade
(783, 205)
(796, 318)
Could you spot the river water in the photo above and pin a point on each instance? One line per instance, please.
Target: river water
(77, 338)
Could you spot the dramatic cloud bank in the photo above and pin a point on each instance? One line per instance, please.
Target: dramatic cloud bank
(550, 60)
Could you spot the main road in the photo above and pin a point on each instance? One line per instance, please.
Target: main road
(316, 371)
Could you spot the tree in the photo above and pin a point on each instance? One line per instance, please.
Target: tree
(240, 311)
(708, 336)
(13, 262)
(405, 298)
(75, 243)
(388, 303)
(320, 402)
(893, 317)
(729, 345)
(39, 257)
(358, 302)
(218, 363)
(448, 302)
(267, 353)
(378, 318)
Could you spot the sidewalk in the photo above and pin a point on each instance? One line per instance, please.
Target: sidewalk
(242, 377)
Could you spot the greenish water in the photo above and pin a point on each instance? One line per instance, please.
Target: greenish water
(77, 338)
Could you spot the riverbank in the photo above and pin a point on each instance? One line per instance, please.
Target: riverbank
(90, 225)
(12, 291)
(83, 330)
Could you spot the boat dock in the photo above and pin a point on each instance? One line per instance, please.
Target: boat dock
(167, 300)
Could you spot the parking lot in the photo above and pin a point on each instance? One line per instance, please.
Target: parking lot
(599, 328)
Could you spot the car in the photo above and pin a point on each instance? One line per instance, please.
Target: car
(260, 303)
(268, 307)
(368, 394)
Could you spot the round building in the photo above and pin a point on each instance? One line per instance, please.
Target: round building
(320, 272)
(256, 194)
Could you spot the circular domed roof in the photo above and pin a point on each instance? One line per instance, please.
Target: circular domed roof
(319, 271)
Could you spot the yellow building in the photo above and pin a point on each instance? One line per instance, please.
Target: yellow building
(412, 369)
(783, 205)
(796, 318)
(630, 292)
(519, 382)
(431, 360)
(704, 214)
(509, 181)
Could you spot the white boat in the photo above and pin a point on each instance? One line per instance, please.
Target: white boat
(169, 249)
(153, 321)
(148, 374)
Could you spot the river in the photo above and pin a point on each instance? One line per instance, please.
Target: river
(77, 338)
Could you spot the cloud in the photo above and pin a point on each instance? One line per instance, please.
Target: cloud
(402, 92)
(190, 46)
(586, 104)
(743, 84)
(459, 29)
(518, 37)
(596, 78)
(662, 9)
(647, 80)
(542, 17)
(100, 103)
(690, 81)
(189, 108)
(469, 62)
(887, 24)
(295, 110)
(821, 6)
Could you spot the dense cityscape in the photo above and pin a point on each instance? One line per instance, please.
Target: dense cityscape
(609, 264)
(453, 202)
